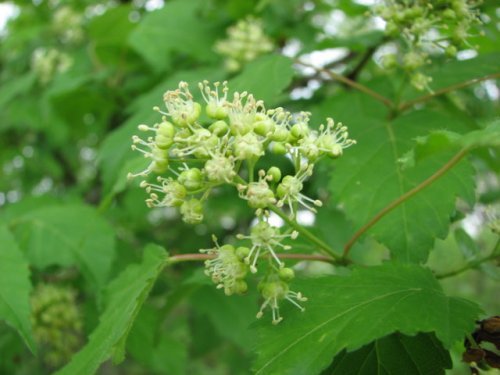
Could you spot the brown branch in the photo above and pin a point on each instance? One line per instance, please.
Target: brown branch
(195, 257)
(361, 64)
(302, 81)
(349, 82)
(445, 90)
(441, 171)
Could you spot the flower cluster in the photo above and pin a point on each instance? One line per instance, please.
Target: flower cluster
(200, 145)
(57, 323)
(67, 24)
(274, 288)
(245, 42)
(228, 268)
(46, 63)
(425, 26)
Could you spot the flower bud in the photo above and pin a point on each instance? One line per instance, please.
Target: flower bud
(286, 274)
(163, 142)
(264, 126)
(175, 193)
(220, 169)
(449, 14)
(299, 130)
(248, 147)
(240, 287)
(216, 111)
(413, 60)
(187, 117)
(166, 129)
(278, 148)
(191, 178)
(219, 128)
(259, 195)
(275, 174)
(274, 290)
(192, 211)
(242, 252)
(451, 51)
(280, 134)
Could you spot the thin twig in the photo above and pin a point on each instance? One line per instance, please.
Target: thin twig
(445, 90)
(349, 82)
(202, 257)
(495, 254)
(302, 81)
(450, 164)
(361, 64)
(322, 246)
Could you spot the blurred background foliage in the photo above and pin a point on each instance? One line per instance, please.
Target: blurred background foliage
(77, 77)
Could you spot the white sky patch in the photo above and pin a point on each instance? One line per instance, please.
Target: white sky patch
(322, 58)
(333, 21)
(305, 92)
(292, 48)
(273, 219)
(473, 222)
(306, 218)
(491, 89)
(379, 23)
(7, 11)
(466, 54)
(366, 2)
(153, 5)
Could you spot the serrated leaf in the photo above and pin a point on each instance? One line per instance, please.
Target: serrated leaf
(394, 355)
(126, 294)
(440, 140)
(375, 172)
(274, 74)
(351, 311)
(15, 288)
(68, 235)
(175, 27)
(487, 137)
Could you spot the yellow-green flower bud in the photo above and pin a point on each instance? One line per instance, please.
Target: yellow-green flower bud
(192, 211)
(191, 178)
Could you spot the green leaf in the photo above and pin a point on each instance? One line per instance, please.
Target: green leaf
(458, 71)
(104, 35)
(15, 288)
(110, 43)
(463, 70)
(487, 137)
(173, 28)
(440, 140)
(155, 346)
(68, 235)
(126, 294)
(230, 316)
(394, 355)
(20, 85)
(274, 74)
(351, 311)
(375, 172)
